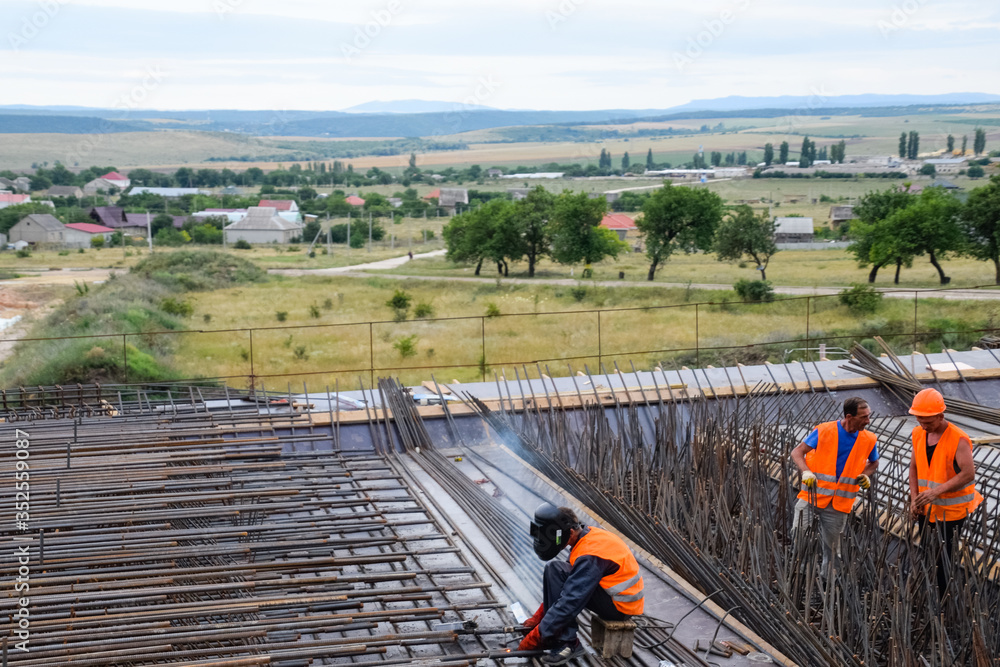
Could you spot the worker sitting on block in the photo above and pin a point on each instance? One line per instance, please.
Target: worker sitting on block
(601, 575)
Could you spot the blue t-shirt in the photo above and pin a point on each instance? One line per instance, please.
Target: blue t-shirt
(845, 443)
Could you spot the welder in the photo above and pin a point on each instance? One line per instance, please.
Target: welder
(601, 575)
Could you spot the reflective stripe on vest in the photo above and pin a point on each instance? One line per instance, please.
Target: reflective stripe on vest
(624, 586)
(955, 504)
(841, 491)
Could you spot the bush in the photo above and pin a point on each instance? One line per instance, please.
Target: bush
(242, 244)
(975, 171)
(423, 310)
(754, 290)
(578, 293)
(862, 299)
(400, 300)
(314, 311)
(406, 346)
(281, 315)
(178, 307)
(23, 252)
(492, 310)
(96, 241)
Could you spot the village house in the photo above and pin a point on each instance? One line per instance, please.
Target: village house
(7, 199)
(262, 224)
(619, 223)
(100, 186)
(840, 215)
(81, 234)
(118, 180)
(38, 228)
(793, 230)
(65, 191)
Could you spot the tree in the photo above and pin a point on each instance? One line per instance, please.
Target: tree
(576, 232)
(824, 154)
(783, 153)
(928, 170)
(805, 154)
(975, 171)
(768, 154)
(980, 224)
(929, 225)
(716, 158)
(626, 162)
(902, 145)
(979, 142)
(951, 144)
(532, 217)
(913, 145)
(465, 238)
(965, 142)
(699, 161)
(161, 221)
(742, 233)
(678, 218)
(866, 231)
(649, 159)
(413, 160)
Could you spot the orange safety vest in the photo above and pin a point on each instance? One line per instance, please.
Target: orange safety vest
(955, 504)
(625, 585)
(822, 461)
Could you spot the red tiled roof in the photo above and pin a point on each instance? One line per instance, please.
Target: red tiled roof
(114, 176)
(355, 200)
(433, 194)
(13, 199)
(89, 227)
(278, 204)
(618, 221)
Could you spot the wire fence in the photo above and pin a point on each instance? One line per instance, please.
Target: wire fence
(473, 347)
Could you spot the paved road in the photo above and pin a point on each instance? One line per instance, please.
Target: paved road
(391, 263)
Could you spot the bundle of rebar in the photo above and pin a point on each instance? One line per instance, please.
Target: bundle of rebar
(709, 491)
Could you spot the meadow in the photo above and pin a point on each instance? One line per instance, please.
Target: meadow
(329, 331)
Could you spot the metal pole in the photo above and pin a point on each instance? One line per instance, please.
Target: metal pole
(483, 366)
(697, 344)
(371, 352)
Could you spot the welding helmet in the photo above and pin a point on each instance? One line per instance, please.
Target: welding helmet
(550, 530)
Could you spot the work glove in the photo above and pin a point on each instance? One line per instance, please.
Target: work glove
(535, 619)
(532, 642)
(809, 479)
(863, 481)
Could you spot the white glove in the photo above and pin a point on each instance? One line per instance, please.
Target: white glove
(809, 479)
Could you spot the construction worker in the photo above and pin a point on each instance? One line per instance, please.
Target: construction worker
(942, 478)
(601, 575)
(836, 460)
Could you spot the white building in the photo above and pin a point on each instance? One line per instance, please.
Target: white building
(262, 224)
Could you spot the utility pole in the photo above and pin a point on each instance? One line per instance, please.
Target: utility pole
(369, 231)
(149, 232)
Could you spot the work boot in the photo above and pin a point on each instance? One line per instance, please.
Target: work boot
(562, 655)
(535, 619)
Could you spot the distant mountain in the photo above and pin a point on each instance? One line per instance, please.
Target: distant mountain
(414, 106)
(737, 102)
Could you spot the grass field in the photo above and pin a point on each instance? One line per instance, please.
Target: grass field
(325, 336)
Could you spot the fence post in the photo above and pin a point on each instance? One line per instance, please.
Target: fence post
(697, 340)
(253, 374)
(808, 305)
(371, 352)
(600, 342)
(482, 367)
(125, 356)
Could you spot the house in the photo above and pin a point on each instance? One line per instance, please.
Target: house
(537, 174)
(80, 234)
(793, 230)
(451, 198)
(136, 223)
(494, 173)
(7, 199)
(517, 194)
(355, 200)
(286, 205)
(169, 193)
(841, 214)
(108, 216)
(118, 180)
(38, 228)
(22, 183)
(947, 165)
(231, 190)
(619, 223)
(6, 184)
(395, 202)
(65, 191)
(100, 186)
(262, 224)
(230, 214)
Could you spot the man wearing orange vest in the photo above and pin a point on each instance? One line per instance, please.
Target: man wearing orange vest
(836, 460)
(602, 575)
(942, 476)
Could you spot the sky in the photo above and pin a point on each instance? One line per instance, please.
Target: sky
(509, 54)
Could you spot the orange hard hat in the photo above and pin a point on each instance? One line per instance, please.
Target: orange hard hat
(927, 403)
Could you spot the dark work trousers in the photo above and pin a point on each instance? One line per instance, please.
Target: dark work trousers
(931, 534)
(600, 602)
